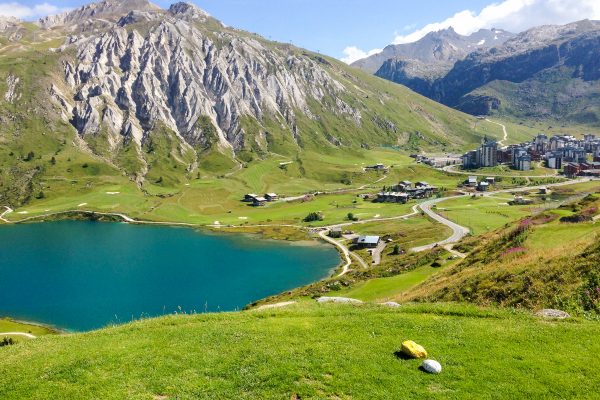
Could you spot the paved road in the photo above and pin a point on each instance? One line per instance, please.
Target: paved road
(458, 232)
(377, 253)
(450, 169)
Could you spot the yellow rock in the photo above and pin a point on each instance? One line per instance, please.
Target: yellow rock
(413, 350)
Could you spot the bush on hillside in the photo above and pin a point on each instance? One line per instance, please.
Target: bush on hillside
(589, 294)
(575, 219)
(313, 216)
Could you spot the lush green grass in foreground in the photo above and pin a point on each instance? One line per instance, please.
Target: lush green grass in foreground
(312, 352)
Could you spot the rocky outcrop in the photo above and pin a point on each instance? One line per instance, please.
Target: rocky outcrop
(7, 23)
(173, 73)
(12, 93)
(105, 11)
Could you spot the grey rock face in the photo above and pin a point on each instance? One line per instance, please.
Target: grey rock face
(108, 10)
(173, 72)
(11, 89)
(7, 23)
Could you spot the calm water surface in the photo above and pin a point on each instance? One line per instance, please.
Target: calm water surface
(84, 275)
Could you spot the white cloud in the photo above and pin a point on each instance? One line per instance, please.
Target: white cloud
(22, 11)
(353, 53)
(511, 15)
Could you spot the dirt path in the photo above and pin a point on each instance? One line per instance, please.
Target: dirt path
(415, 211)
(27, 335)
(500, 142)
(6, 212)
(360, 260)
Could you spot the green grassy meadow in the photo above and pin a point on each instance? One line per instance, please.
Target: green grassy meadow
(312, 351)
(385, 289)
(9, 325)
(483, 214)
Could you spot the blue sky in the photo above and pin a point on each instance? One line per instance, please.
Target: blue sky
(350, 29)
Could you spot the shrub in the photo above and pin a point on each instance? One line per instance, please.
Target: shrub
(589, 294)
(577, 218)
(29, 156)
(313, 216)
(7, 342)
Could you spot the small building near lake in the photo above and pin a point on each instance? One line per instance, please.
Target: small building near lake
(367, 242)
(249, 198)
(271, 196)
(483, 186)
(259, 201)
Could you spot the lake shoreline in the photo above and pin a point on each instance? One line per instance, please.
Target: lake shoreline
(53, 329)
(88, 216)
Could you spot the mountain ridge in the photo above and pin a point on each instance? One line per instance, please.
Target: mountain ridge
(546, 72)
(439, 49)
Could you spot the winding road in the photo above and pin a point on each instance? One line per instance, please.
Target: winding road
(458, 231)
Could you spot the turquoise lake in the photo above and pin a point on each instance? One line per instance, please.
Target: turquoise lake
(80, 276)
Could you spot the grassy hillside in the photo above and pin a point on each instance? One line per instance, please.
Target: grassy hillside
(549, 260)
(555, 95)
(310, 351)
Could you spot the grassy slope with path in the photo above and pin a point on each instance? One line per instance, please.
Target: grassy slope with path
(540, 262)
(10, 325)
(312, 351)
